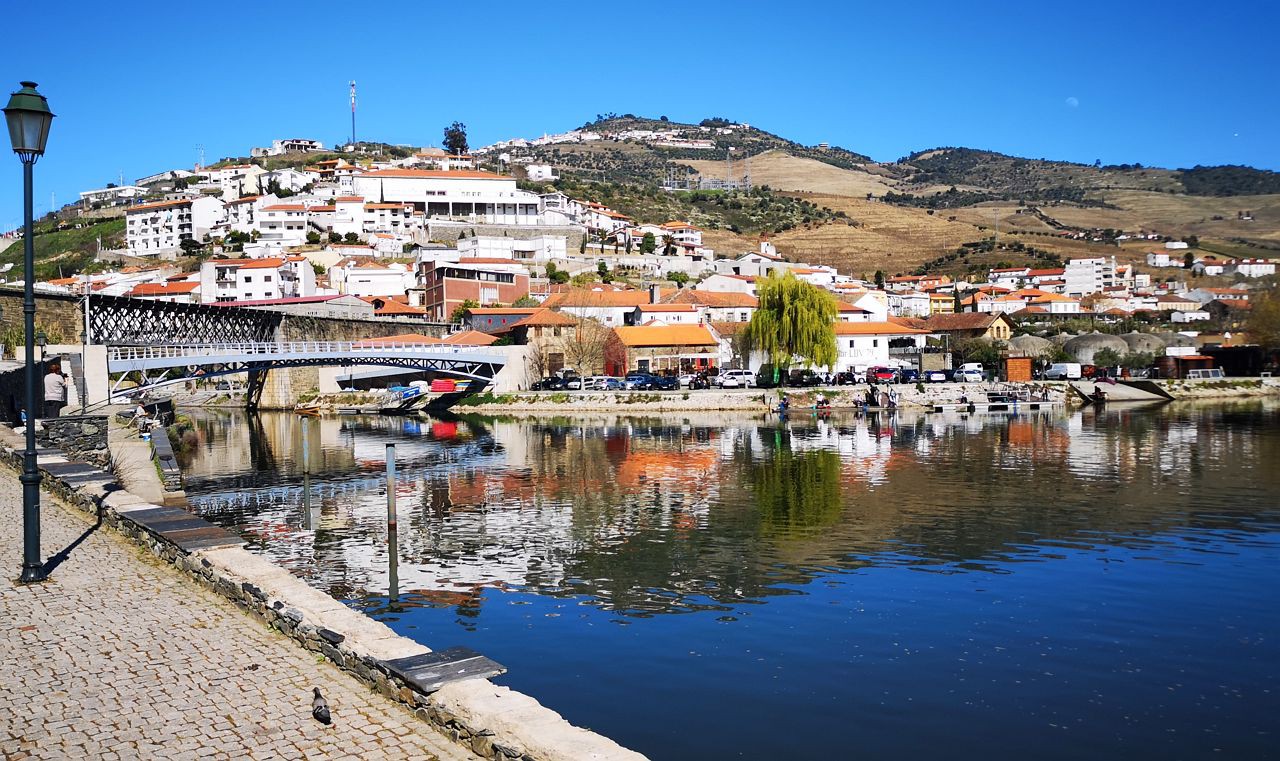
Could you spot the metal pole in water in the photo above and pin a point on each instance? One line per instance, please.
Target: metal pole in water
(306, 478)
(391, 487)
(393, 567)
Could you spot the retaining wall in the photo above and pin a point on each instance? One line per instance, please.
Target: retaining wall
(494, 722)
(81, 437)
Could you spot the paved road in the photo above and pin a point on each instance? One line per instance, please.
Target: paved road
(121, 657)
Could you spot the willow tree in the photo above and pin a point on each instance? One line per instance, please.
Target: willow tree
(793, 321)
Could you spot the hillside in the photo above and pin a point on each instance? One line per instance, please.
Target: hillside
(66, 250)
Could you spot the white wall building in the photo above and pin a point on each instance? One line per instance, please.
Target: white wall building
(467, 196)
(367, 277)
(112, 196)
(158, 229)
(1252, 267)
(256, 279)
(540, 249)
(288, 145)
(908, 304)
(541, 173)
(283, 223)
(1086, 276)
(242, 214)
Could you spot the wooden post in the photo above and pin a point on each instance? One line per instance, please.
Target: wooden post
(391, 488)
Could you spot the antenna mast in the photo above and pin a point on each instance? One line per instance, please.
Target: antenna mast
(353, 113)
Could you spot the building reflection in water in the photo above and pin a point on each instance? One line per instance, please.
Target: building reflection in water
(645, 516)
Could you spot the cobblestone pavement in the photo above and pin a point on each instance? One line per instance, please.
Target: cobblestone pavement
(121, 657)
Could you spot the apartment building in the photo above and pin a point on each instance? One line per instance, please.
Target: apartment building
(1085, 276)
(284, 224)
(446, 285)
(158, 229)
(462, 195)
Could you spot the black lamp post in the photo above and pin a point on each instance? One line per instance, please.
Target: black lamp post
(29, 117)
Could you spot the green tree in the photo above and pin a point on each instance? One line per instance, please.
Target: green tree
(351, 238)
(460, 311)
(602, 269)
(455, 138)
(1264, 320)
(582, 245)
(1138, 360)
(668, 245)
(628, 244)
(525, 301)
(1107, 358)
(879, 278)
(190, 246)
(648, 244)
(335, 238)
(983, 350)
(1188, 259)
(793, 321)
(679, 278)
(313, 237)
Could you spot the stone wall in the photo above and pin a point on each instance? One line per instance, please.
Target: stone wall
(445, 232)
(82, 437)
(60, 317)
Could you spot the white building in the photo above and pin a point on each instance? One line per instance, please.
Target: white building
(256, 279)
(669, 314)
(177, 292)
(158, 229)
(1164, 259)
(242, 214)
(292, 180)
(288, 145)
(1086, 276)
(466, 196)
(283, 223)
(540, 249)
(113, 196)
(368, 277)
(1191, 315)
(541, 173)
(234, 181)
(1252, 267)
(908, 304)
(860, 345)
(728, 284)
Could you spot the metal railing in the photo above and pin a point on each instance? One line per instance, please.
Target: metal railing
(181, 351)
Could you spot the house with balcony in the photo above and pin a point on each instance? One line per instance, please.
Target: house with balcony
(283, 224)
(158, 229)
(472, 196)
(487, 282)
(224, 280)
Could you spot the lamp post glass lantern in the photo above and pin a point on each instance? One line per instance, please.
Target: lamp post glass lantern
(28, 118)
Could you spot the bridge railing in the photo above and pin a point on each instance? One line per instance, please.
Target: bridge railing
(182, 351)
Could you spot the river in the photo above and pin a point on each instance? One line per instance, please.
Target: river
(1060, 585)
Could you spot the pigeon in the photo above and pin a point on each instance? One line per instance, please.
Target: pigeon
(320, 709)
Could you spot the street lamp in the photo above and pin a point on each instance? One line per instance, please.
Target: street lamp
(28, 117)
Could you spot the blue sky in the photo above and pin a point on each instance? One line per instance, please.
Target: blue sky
(138, 86)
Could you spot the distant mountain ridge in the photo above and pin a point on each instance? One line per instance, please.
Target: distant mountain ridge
(982, 172)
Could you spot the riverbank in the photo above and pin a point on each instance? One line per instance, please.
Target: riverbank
(191, 575)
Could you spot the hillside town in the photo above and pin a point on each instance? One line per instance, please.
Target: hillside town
(588, 291)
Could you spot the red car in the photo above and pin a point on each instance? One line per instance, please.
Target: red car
(882, 375)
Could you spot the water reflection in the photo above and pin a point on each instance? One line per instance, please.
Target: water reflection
(645, 516)
(1090, 585)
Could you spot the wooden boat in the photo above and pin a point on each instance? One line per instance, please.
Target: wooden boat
(311, 409)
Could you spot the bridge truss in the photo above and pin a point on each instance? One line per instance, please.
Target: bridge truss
(118, 320)
(155, 366)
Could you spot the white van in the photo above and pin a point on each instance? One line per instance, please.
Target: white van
(1063, 371)
(736, 379)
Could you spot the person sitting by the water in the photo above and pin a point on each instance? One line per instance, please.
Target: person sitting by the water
(821, 403)
(1099, 396)
(782, 404)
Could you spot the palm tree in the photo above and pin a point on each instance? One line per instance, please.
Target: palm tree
(668, 245)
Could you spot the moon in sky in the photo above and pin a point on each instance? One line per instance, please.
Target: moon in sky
(1073, 102)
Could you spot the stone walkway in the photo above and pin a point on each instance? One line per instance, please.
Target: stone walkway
(121, 657)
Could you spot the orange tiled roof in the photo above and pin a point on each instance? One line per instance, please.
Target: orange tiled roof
(666, 335)
(471, 338)
(162, 289)
(583, 298)
(545, 318)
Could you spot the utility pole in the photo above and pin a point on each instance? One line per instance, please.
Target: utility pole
(200, 151)
(353, 114)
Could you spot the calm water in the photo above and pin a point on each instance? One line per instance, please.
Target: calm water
(1054, 586)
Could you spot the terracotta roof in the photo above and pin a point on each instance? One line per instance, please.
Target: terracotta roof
(1045, 273)
(729, 328)
(486, 260)
(269, 262)
(245, 199)
(874, 329)
(583, 298)
(961, 321)
(471, 338)
(666, 335)
(349, 199)
(162, 289)
(457, 174)
(400, 338)
(849, 308)
(719, 299)
(391, 306)
(545, 318)
(385, 206)
(285, 207)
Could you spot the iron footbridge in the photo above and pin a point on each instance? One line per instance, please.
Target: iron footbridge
(149, 367)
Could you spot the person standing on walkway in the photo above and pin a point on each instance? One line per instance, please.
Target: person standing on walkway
(55, 390)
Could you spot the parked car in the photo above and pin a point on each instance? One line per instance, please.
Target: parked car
(804, 378)
(1064, 371)
(936, 376)
(967, 375)
(882, 375)
(550, 383)
(574, 383)
(847, 378)
(686, 380)
(908, 375)
(639, 382)
(737, 379)
(611, 384)
(666, 383)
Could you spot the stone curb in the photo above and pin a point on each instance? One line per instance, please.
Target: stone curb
(493, 721)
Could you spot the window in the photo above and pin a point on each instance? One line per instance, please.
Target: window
(266, 279)
(248, 278)
(875, 342)
(851, 343)
(556, 332)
